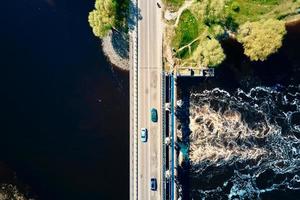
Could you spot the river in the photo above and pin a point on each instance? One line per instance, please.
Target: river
(65, 110)
(65, 116)
(244, 130)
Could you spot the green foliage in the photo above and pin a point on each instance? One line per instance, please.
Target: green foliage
(267, 1)
(205, 15)
(103, 17)
(254, 10)
(209, 12)
(235, 6)
(185, 32)
(122, 11)
(216, 31)
(214, 18)
(209, 53)
(231, 24)
(261, 39)
(215, 11)
(173, 4)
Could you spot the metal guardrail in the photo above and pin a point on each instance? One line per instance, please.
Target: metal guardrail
(172, 138)
(163, 111)
(135, 69)
(134, 111)
(131, 135)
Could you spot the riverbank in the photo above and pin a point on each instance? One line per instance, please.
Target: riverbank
(115, 47)
(194, 24)
(109, 22)
(292, 20)
(11, 188)
(248, 101)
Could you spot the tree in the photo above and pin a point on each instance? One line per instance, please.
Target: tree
(217, 31)
(102, 19)
(262, 38)
(209, 53)
(215, 11)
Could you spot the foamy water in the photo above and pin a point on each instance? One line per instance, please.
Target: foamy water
(245, 144)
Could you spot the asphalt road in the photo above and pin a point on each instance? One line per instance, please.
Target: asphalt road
(149, 96)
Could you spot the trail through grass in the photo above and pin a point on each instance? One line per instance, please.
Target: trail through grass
(186, 31)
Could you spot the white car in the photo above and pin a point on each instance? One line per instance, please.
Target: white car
(144, 134)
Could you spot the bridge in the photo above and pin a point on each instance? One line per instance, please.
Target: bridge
(151, 88)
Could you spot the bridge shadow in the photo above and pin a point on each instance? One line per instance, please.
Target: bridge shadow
(182, 115)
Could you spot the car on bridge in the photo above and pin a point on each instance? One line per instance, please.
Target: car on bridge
(153, 184)
(154, 115)
(144, 135)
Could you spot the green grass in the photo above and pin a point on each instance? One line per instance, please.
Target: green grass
(193, 23)
(173, 4)
(266, 2)
(186, 31)
(253, 10)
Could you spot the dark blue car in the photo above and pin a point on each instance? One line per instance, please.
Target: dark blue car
(153, 184)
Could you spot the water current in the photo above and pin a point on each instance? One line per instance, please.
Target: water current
(250, 141)
(242, 128)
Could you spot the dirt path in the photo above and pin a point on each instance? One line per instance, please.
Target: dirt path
(185, 6)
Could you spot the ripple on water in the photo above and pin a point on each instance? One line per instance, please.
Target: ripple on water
(246, 144)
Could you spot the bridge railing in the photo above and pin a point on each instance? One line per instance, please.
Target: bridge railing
(172, 138)
(134, 103)
(163, 111)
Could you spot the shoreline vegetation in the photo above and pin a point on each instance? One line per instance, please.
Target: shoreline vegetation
(11, 192)
(195, 29)
(109, 22)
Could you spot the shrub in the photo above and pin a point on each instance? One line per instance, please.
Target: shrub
(262, 38)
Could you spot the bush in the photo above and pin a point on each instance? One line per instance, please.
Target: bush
(209, 53)
(103, 17)
(235, 6)
(261, 39)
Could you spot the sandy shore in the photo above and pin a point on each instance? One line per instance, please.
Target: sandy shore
(292, 20)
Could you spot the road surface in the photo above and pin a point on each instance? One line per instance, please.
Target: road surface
(149, 96)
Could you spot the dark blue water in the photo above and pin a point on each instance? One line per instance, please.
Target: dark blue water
(244, 127)
(64, 110)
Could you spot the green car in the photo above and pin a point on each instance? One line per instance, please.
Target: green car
(153, 115)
